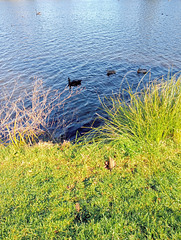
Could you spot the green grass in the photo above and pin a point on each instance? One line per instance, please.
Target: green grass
(63, 191)
(153, 114)
(41, 185)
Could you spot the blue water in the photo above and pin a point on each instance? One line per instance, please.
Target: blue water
(81, 39)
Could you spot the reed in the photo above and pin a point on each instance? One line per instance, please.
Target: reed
(150, 115)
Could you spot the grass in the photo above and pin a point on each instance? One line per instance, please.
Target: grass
(153, 114)
(63, 191)
(24, 117)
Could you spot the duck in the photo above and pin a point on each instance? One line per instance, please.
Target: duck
(38, 13)
(74, 83)
(141, 70)
(110, 72)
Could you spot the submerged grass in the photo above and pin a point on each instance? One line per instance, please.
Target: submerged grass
(64, 191)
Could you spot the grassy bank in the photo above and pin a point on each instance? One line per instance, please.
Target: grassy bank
(65, 191)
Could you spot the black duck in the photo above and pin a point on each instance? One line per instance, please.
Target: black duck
(141, 70)
(110, 72)
(74, 83)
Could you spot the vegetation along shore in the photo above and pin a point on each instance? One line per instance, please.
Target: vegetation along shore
(121, 181)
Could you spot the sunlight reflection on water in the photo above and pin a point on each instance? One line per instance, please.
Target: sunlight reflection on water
(82, 39)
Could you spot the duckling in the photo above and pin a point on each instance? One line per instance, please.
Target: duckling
(110, 72)
(74, 83)
(141, 70)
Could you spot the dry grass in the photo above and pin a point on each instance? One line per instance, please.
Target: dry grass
(24, 118)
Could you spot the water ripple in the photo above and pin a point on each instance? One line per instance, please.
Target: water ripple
(81, 39)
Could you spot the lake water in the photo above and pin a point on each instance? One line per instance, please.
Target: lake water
(81, 39)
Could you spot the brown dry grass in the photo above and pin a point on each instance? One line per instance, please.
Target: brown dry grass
(25, 117)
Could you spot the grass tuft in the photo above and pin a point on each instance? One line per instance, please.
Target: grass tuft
(27, 116)
(151, 115)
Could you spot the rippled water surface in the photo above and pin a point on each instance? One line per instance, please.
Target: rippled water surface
(81, 39)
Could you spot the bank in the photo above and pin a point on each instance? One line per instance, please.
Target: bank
(116, 184)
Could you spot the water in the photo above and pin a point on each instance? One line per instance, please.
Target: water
(81, 39)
